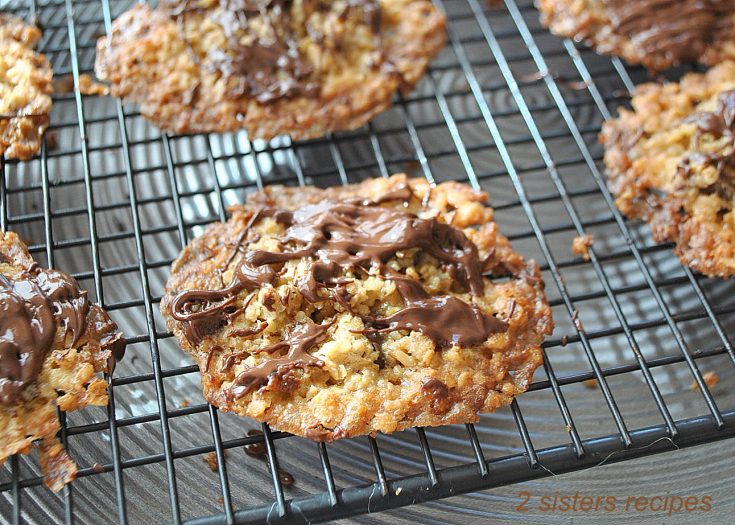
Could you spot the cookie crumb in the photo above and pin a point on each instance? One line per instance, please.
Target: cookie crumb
(581, 245)
(97, 468)
(64, 85)
(184, 403)
(590, 383)
(211, 460)
(88, 86)
(399, 490)
(710, 379)
(577, 321)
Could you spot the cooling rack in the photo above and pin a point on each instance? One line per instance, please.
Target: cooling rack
(507, 108)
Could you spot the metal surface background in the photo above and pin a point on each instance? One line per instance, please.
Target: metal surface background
(114, 200)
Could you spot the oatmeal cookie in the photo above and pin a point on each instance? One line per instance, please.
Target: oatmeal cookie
(54, 345)
(655, 33)
(26, 87)
(273, 67)
(671, 162)
(360, 309)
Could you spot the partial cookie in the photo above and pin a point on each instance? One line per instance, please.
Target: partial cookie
(360, 309)
(657, 34)
(54, 346)
(26, 86)
(274, 67)
(671, 162)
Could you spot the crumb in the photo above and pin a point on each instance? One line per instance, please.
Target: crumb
(399, 490)
(590, 383)
(87, 86)
(710, 379)
(211, 460)
(64, 85)
(184, 403)
(52, 140)
(581, 245)
(96, 467)
(221, 500)
(577, 321)
(564, 341)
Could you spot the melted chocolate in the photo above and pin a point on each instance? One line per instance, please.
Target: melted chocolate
(257, 449)
(719, 123)
(677, 28)
(268, 65)
(31, 307)
(334, 237)
(301, 340)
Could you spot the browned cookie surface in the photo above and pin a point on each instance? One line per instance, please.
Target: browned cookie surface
(54, 346)
(655, 33)
(26, 86)
(360, 309)
(273, 67)
(671, 162)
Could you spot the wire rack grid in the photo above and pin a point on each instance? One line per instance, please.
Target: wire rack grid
(507, 108)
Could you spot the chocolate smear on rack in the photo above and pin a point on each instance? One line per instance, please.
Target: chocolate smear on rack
(336, 237)
(32, 305)
(286, 478)
(257, 449)
(679, 29)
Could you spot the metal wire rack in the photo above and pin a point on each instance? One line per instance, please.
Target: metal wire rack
(506, 107)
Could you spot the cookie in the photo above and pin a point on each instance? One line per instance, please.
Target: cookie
(332, 313)
(671, 162)
(54, 346)
(26, 86)
(655, 33)
(271, 67)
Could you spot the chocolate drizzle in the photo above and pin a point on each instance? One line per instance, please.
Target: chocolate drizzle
(677, 28)
(340, 236)
(263, 60)
(720, 124)
(31, 306)
(301, 340)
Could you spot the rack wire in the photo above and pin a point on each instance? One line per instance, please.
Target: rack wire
(507, 108)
